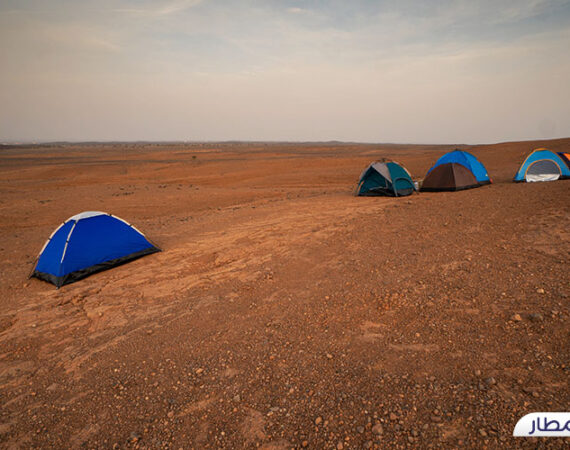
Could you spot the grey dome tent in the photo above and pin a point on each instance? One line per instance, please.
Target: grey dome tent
(385, 178)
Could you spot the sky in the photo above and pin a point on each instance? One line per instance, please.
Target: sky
(407, 71)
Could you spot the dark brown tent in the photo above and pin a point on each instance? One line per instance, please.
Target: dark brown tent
(449, 177)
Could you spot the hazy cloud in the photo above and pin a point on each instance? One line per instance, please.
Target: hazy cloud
(161, 8)
(443, 71)
(296, 10)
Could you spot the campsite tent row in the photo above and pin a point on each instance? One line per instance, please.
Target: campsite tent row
(457, 170)
(93, 241)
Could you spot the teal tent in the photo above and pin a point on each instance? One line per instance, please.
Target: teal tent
(385, 178)
(542, 165)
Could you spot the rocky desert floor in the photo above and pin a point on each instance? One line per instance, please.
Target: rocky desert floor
(283, 311)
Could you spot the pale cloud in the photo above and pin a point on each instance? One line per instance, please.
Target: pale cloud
(161, 8)
(456, 71)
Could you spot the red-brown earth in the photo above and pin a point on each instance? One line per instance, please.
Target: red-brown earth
(283, 311)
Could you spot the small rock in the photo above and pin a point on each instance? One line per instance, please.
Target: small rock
(304, 444)
(339, 446)
(482, 432)
(237, 398)
(536, 317)
(435, 419)
(414, 433)
(360, 429)
(134, 436)
(490, 381)
(329, 356)
(516, 318)
(170, 414)
(199, 371)
(318, 420)
(368, 444)
(378, 429)
(477, 373)
(540, 291)
(393, 416)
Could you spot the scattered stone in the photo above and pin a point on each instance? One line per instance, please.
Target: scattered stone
(393, 416)
(339, 446)
(237, 398)
(134, 436)
(540, 291)
(368, 444)
(318, 420)
(170, 414)
(378, 429)
(329, 356)
(199, 371)
(304, 444)
(483, 433)
(536, 317)
(490, 381)
(435, 419)
(360, 429)
(477, 373)
(516, 318)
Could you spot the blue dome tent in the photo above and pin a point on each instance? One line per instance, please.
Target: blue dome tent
(542, 165)
(87, 243)
(467, 160)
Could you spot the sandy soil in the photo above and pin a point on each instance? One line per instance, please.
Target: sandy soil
(283, 311)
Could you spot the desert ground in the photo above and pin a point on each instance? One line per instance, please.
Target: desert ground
(283, 312)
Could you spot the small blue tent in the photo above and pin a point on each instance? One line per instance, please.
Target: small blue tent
(385, 178)
(87, 243)
(542, 165)
(467, 160)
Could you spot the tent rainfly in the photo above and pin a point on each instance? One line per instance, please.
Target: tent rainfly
(455, 171)
(88, 243)
(385, 178)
